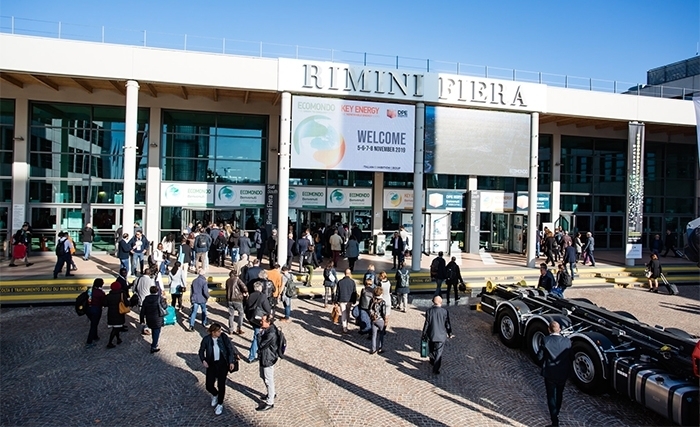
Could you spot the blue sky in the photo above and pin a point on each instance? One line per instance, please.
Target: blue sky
(610, 40)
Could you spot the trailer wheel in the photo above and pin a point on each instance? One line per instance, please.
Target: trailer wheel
(588, 368)
(534, 338)
(507, 326)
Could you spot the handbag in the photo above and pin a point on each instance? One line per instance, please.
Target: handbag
(335, 314)
(423, 348)
(162, 311)
(123, 309)
(647, 273)
(235, 366)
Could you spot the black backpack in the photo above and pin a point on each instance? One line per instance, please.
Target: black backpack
(82, 302)
(61, 247)
(201, 241)
(281, 343)
(434, 267)
(564, 280)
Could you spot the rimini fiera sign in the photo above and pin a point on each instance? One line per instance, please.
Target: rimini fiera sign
(344, 80)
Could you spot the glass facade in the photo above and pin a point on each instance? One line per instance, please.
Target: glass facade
(76, 153)
(7, 134)
(332, 178)
(213, 147)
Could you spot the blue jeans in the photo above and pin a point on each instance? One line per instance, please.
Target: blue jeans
(155, 335)
(287, 307)
(319, 251)
(87, 248)
(124, 263)
(572, 266)
(438, 288)
(537, 248)
(254, 344)
(193, 316)
(136, 261)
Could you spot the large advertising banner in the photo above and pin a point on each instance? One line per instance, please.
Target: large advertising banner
(184, 194)
(349, 198)
(239, 195)
(398, 199)
(307, 197)
(635, 190)
(338, 134)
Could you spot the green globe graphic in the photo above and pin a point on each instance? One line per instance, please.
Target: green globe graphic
(336, 197)
(316, 137)
(172, 192)
(292, 196)
(227, 193)
(395, 199)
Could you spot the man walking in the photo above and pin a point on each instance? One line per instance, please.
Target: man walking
(200, 295)
(87, 235)
(453, 279)
(336, 243)
(345, 296)
(555, 356)
(570, 259)
(139, 248)
(268, 358)
(588, 249)
(236, 292)
(436, 330)
(202, 244)
(438, 272)
(670, 243)
(63, 248)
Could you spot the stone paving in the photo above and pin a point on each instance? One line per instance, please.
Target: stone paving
(49, 377)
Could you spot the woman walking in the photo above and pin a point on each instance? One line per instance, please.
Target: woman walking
(151, 311)
(353, 252)
(378, 317)
(219, 357)
(115, 319)
(330, 279)
(655, 270)
(96, 297)
(386, 290)
(178, 285)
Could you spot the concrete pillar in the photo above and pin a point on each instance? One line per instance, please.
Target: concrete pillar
(472, 183)
(151, 226)
(418, 201)
(284, 164)
(20, 168)
(555, 187)
(377, 203)
(131, 130)
(532, 189)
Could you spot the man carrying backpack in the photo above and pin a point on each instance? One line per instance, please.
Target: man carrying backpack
(403, 279)
(438, 272)
(202, 243)
(269, 354)
(453, 278)
(63, 256)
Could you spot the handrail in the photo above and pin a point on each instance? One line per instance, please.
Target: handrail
(226, 46)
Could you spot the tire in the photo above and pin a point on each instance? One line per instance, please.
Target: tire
(507, 326)
(536, 331)
(587, 368)
(626, 314)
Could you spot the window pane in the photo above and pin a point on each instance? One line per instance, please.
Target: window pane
(239, 148)
(60, 115)
(189, 122)
(241, 125)
(6, 190)
(401, 180)
(307, 177)
(7, 112)
(609, 204)
(171, 218)
(653, 204)
(243, 172)
(43, 218)
(188, 170)
(189, 145)
(6, 159)
(576, 203)
(107, 192)
(576, 183)
(108, 167)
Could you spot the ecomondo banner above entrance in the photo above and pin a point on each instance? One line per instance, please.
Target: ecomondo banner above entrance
(195, 194)
(338, 134)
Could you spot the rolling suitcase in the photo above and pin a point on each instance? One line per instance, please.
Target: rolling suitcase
(670, 287)
(680, 254)
(423, 348)
(170, 318)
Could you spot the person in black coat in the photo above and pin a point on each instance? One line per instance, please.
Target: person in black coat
(546, 280)
(398, 246)
(256, 300)
(555, 356)
(436, 329)
(150, 310)
(219, 356)
(115, 319)
(268, 358)
(124, 251)
(654, 266)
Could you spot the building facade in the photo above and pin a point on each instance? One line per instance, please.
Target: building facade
(242, 140)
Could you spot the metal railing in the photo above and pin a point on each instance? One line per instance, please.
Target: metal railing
(101, 34)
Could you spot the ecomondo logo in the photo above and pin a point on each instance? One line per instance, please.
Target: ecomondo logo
(171, 192)
(316, 137)
(394, 199)
(336, 197)
(292, 196)
(226, 194)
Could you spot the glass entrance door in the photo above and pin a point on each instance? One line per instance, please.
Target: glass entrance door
(104, 222)
(608, 231)
(500, 226)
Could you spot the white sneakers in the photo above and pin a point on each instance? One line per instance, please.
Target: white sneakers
(219, 409)
(214, 400)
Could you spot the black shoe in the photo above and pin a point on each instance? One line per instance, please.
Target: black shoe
(125, 329)
(119, 341)
(265, 397)
(70, 275)
(110, 345)
(458, 298)
(13, 265)
(29, 264)
(155, 350)
(264, 407)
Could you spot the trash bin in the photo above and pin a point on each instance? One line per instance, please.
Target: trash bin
(379, 244)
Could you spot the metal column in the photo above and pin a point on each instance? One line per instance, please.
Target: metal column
(418, 188)
(532, 189)
(131, 129)
(283, 176)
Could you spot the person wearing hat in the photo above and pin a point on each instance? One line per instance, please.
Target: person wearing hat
(96, 297)
(115, 319)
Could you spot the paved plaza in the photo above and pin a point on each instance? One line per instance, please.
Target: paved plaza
(49, 377)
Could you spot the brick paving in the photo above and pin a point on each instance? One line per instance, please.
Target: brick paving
(49, 377)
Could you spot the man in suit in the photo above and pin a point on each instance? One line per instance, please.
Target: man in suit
(555, 356)
(436, 330)
(588, 249)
